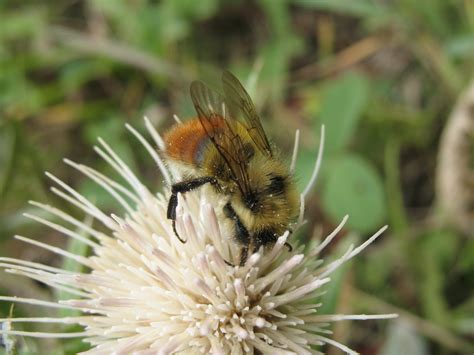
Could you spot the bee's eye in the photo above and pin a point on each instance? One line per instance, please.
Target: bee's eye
(277, 185)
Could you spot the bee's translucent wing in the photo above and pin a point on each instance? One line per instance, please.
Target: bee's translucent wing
(211, 109)
(241, 106)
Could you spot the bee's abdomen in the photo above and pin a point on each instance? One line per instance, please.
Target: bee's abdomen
(187, 142)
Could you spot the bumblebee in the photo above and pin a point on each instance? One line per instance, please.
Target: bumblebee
(226, 147)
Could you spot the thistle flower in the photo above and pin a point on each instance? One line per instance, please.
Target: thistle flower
(145, 292)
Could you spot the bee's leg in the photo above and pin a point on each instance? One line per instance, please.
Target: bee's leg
(265, 237)
(229, 263)
(244, 252)
(241, 233)
(182, 187)
(288, 245)
(262, 238)
(173, 222)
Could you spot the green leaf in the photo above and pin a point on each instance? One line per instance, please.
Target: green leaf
(27, 23)
(74, 346)
(354, 187)
(196, 10)
(460, 46)
(278, 16)
(465, 325)
(360, 8)
(281, 47)
(75, 247)
(466, 257)
(7, 150)
(344, 100)
(77, 73)
(437, 251)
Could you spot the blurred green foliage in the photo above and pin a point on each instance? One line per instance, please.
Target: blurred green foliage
(382, 76)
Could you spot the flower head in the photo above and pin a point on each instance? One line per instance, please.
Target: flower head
(146, 292)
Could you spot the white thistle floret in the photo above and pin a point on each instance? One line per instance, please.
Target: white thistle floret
(146, 292)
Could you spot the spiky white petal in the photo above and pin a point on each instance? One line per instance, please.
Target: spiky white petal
(146, 292)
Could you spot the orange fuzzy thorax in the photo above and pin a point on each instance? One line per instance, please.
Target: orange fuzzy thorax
(187, 142)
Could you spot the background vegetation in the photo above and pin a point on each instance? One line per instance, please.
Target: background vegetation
(382, 75)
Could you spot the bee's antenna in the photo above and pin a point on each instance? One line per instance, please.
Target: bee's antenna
(176, 232)
(295, 151)
(317, 165)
